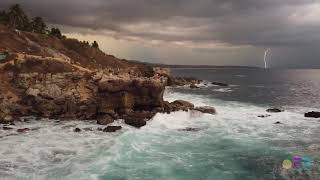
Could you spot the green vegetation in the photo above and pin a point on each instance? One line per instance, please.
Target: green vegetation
(16, 18)
(38, 25)
(55, 32)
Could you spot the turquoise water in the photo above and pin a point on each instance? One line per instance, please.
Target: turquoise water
(234, 144)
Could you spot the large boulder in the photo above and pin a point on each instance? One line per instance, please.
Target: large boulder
(181, 105)
(135, 122)
(206, 109)
(312, 114)
(138, 119)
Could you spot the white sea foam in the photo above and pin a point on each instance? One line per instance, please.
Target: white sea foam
(54, 151)
(223, 90)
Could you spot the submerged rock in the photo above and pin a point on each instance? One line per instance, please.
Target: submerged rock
(23, 130)
(274, 110)
(190, 129)
(112, 128)
(77, 130)
(312, 114)
(87, 129)
(219, 84)
(206, 109)
(278, 122)
(264, 116)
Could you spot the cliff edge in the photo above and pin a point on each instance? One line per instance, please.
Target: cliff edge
(48, 77)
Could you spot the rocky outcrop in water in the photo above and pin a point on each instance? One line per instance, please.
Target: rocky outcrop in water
(47, 77)
(183, 81)
(312, 114)
(274, 110)
(219, 84)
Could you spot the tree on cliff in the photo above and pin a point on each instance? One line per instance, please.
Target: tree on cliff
(3, 16)
(95, 45)
(38, 25)
(16, 18)
(56, 32)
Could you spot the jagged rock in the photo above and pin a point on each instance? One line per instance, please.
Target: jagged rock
(177, 105)
(77, 130)
(206, 109)
(112, 128)
(105, 120)
(274, 110)
(219, 84)
(312, 114)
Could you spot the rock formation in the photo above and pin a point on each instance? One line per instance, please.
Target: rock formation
(312, 114)
(55, 78)
(59, 78)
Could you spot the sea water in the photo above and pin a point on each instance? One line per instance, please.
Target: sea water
(234, 144)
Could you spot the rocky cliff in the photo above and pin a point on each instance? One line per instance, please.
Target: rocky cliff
(47, 77)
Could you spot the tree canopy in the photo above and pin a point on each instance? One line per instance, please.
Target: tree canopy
(38, 25)
(55, 32)
(16, 18)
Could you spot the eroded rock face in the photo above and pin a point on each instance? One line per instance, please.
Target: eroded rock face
(79, 96)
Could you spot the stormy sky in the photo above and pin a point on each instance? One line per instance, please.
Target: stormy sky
(213, 32)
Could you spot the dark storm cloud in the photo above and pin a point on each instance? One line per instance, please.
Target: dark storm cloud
(287, 26)
(235, 22)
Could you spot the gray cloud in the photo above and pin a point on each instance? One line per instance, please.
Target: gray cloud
(258, 23)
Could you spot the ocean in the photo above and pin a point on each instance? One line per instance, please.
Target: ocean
(234, 144)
